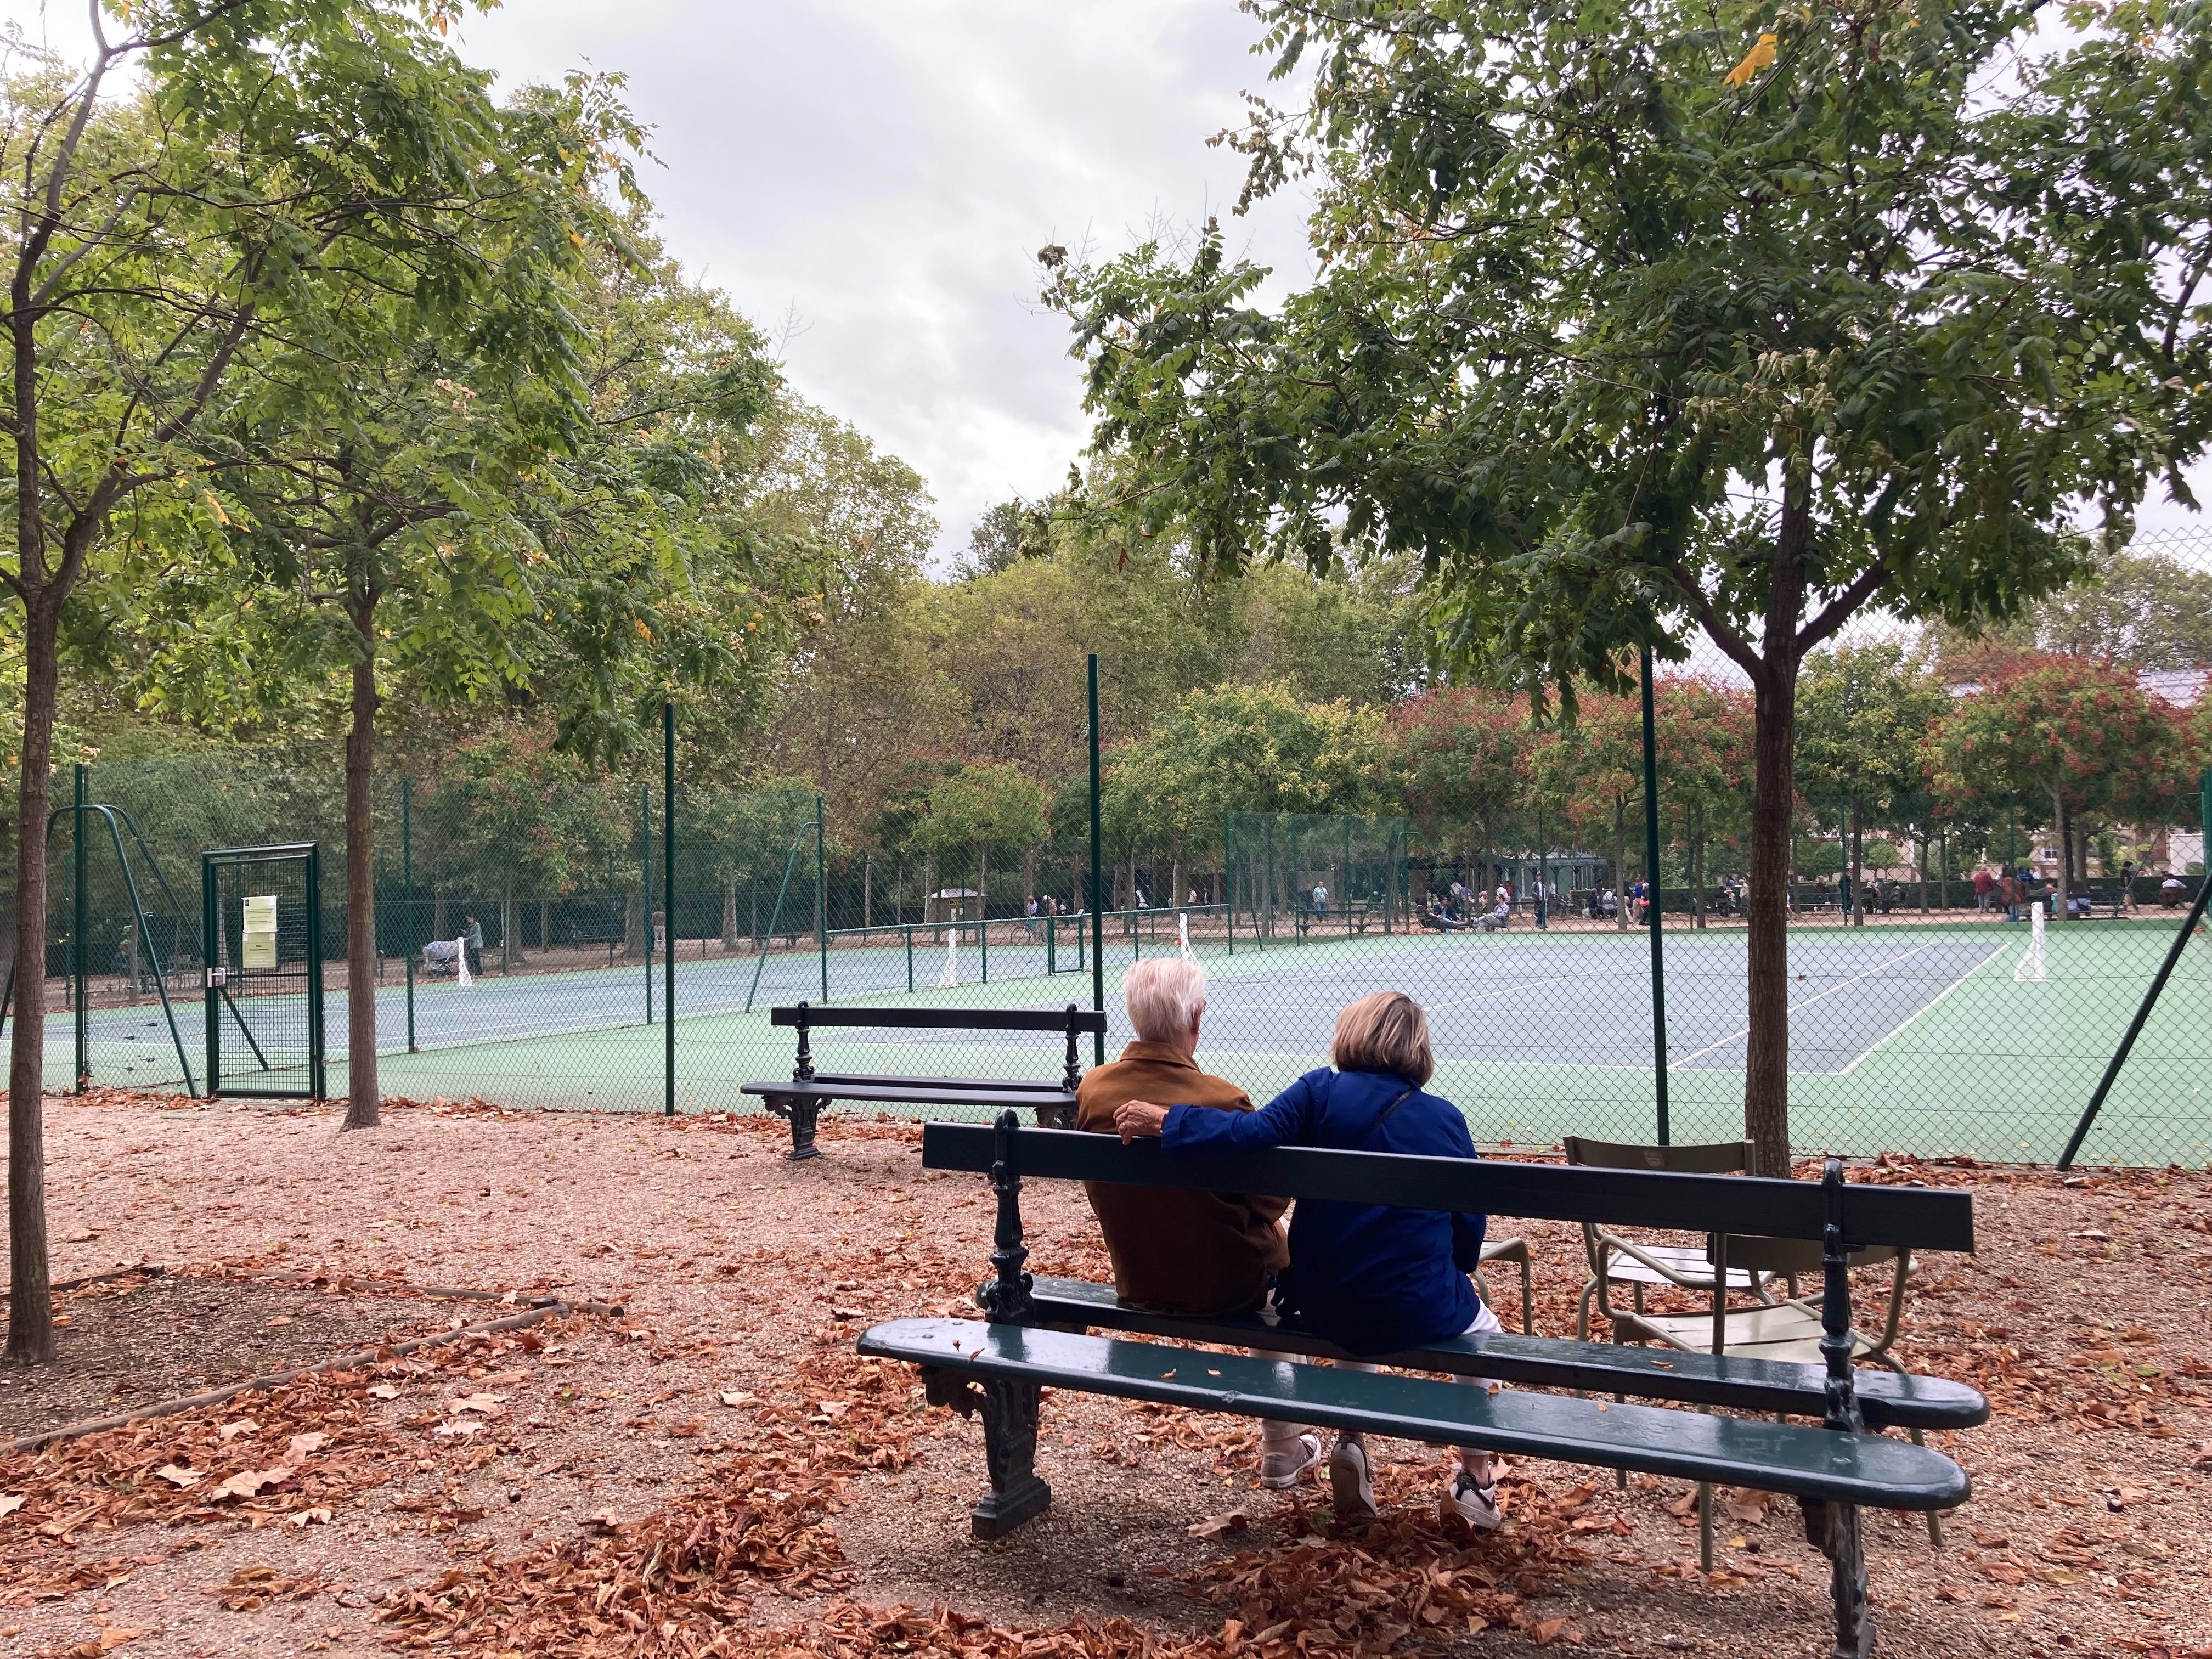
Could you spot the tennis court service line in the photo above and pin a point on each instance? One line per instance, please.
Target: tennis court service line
(1927, 1007)
(1504, 991)
(1840, 985)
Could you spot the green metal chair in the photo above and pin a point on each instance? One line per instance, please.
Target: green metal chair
(1514, 1250)
(1787, 1330)
(1637, 1263)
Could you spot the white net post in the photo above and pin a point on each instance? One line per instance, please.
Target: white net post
(461, 961)
(1182, 934)
(2033, 969)
(951, 975)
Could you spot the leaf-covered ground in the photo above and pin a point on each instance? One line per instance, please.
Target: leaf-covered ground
(716, 1471)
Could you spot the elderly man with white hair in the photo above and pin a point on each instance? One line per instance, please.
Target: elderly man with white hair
(1179, 1251)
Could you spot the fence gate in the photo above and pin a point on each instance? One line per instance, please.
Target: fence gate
(262, 911)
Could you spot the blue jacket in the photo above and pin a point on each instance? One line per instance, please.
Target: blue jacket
(1371, 1279)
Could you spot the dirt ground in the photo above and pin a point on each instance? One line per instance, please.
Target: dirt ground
(714, 1471)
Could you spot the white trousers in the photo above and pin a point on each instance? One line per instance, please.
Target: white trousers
(1273, 1433)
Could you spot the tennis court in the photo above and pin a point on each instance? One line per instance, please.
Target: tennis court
(1914, 1038)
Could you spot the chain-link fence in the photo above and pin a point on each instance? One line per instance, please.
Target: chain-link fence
(525, 943)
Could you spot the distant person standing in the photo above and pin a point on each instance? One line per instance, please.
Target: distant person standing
(1320, 899)
(1543, 904)
(1985, 883)
(2009, 895)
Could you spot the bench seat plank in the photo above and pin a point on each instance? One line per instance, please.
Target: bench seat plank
(1888, 1400)
(916, 1091)
(998, 1085)
(1804, 1463)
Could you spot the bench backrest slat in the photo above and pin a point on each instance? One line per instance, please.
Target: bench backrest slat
(944, 1019)
(1910, 1218)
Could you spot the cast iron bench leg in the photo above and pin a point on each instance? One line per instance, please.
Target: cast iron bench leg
(1833, 1529)
(1010, 1412)
(801, 1112)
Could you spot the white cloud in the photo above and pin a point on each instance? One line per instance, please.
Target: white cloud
(886, 173)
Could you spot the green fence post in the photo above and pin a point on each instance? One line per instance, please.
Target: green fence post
(821, 900)
(909, 955)
(1651, 905)
(668, 886)
(1051, 946)
(645, 885)
(76, 933)
(407, 940)
(1098, 910)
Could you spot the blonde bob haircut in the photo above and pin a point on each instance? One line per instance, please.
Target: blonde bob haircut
(1165, 996)
(1385, 1032)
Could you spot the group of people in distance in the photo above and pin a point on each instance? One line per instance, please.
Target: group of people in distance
(1369, 1278)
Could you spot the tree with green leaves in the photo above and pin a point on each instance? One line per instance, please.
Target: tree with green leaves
(2141, 610)
(1594, 767)
(1703, 733)
(1861, 713)
(1655, 318)
(979, 808)
(221, 206)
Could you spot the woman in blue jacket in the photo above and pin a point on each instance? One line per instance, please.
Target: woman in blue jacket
(1371, 1279)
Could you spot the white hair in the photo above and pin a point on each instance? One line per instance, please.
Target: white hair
(1165, 996)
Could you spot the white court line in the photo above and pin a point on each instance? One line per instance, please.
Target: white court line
(1928, 1007)
(1504, 991)
(1677, 1065)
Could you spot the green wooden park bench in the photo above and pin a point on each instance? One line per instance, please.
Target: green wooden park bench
(1035, 1336)
(800, 1102)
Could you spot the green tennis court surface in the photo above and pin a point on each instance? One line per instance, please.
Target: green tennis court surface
(1915, 1038)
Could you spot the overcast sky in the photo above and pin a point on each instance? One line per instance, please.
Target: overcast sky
(881, 174)
(878, 173)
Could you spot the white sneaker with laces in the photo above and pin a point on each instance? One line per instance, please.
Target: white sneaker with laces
(1284, 1466)
(1477, 1505)
(1349, 1483)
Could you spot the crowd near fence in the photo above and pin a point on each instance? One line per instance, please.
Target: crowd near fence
(530, 929)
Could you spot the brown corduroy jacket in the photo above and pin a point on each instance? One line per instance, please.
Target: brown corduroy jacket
(1179, 1250)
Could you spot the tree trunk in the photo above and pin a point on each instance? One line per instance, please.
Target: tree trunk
(30, 1306)
(982, 885)
(1858, 871)
(867, 890)
(1620, 866)
(729, 914)
(507, 950)
(1922, 861)
(544, 924)
(361, 1097)
(1766, 1057)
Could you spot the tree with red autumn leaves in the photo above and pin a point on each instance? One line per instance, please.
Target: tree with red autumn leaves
(1594, 769)
(2080, 734)
(1704, 732)
(1462, 757)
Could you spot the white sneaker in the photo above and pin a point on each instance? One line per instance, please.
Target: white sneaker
(1283, 1466)
(1349, 1483)
(1476, 1505)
